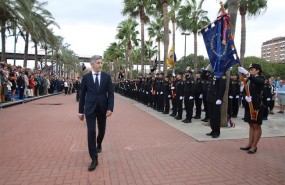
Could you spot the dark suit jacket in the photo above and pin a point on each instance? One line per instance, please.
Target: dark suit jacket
(90, 97)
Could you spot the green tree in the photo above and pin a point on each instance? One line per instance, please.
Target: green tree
(128, 35)
(191, 17)
(10, 12)
(155, 30)
(141, 9)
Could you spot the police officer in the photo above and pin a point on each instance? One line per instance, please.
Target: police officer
(179, 87)
(255, 84)
(166, 94)
(267, 95)
(188, 96)
(214, 98)
(236, 95)
(206, 82)
(159, 92)
(173, 97)
(198, 96)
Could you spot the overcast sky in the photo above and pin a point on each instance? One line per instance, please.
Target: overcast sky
(89, 26)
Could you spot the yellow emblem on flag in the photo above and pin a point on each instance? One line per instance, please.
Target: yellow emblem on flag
(171, 57)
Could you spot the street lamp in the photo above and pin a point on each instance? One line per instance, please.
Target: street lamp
(186, 34)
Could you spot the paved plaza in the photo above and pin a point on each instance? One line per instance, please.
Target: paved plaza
(43, 142)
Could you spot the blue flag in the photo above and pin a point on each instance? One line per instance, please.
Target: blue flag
(220, 45)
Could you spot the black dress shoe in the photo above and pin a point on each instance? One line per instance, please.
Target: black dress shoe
(99, 149)
(209, 134)
(234, 116)
(197, 117)
(165, 112)
(173, 115)
(245, 148)
(205, 120)
(178, 118)
(93, 165)
(215, 136)
(252, 151)
(187, 121)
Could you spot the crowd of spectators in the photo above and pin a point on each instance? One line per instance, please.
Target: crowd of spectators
(17, 82)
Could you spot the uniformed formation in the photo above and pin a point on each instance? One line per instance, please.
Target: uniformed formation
(202, 89)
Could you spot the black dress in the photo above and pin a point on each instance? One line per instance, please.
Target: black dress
(255, 85)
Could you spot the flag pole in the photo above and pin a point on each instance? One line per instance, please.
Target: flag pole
(253, 113)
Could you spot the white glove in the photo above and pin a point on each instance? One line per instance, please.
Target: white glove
(242, 70)
(146, 92)
(161, 92)
(181, 97)
(218, 102)
(169, 96)
(268, 99)
(248, 99)
(230, 97)
(237, 96)
(172, 87)
(201, 96)
(191, 97)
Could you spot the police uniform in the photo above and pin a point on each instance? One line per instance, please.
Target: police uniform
(189, 97)
(215, 92)
(198, 96)
(179, 87)
(166, 95)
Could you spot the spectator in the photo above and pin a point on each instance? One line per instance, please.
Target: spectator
(281, 96)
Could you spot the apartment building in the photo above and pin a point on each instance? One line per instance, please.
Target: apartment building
(274, 50)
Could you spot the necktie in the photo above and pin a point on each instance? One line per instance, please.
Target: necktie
(97, 82)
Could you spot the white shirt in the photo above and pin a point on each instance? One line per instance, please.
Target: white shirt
(94, 76)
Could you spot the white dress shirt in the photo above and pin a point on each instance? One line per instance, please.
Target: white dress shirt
(94, 76)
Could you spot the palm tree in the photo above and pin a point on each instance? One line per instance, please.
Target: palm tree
(191, 17)
(155, 29)
(128, 35)
(9, 12)
(174, 7)
(113, 54)
(150, 52)
(252, 8)
(141, 9)
(34, 22)
(166, 32)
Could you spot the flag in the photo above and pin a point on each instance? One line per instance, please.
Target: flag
(220, 45)
(171, 57)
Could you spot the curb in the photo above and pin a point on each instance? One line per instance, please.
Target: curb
(25, 100)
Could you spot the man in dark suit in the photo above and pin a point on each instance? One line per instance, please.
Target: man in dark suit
(96, 102)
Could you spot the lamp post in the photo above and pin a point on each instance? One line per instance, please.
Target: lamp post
(185, 34)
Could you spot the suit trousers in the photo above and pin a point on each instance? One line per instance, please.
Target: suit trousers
(100, 116)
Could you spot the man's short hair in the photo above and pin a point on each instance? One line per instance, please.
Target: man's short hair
(94, 58)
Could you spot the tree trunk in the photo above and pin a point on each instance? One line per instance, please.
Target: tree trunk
(46, 48)
(142, 17)
(232, 10)
(131, 63)
(173, 37)
(159, 67)
(195, 53)
(166, 34)
(36, 55)
(127, 64)
(243, 39)
(26, 49)
(3, 38)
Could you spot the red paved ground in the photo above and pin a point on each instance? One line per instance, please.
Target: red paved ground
(46, 144)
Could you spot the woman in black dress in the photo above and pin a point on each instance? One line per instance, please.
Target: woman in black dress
(255, 84)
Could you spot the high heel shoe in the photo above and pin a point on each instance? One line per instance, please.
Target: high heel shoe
(245, 148)
(252, 151)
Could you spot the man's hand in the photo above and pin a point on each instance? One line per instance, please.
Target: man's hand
(81, 117)
(108, 113)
